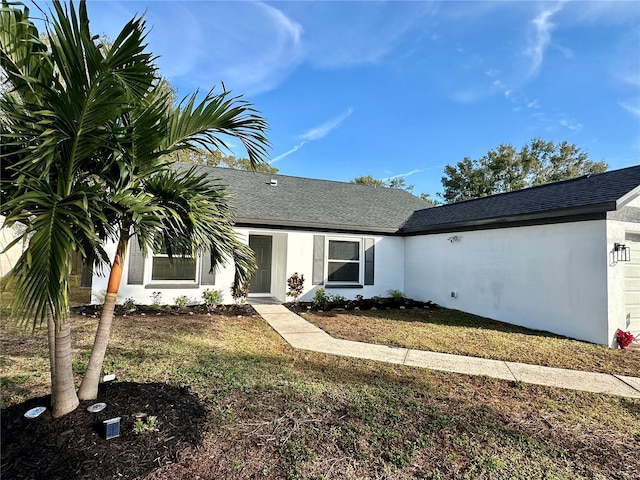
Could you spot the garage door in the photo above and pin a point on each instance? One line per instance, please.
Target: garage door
(632, 284)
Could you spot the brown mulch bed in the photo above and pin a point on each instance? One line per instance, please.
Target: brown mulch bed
(74, 447)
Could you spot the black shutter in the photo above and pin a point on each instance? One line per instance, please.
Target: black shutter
(135, 275)
(317, 276)
(369, 260)
(207, 275)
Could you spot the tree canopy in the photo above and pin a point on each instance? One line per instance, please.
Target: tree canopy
(506, 169)
(395, 182)
(216, 158)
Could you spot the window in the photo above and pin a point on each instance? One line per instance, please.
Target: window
(343, 261)
(178, 269)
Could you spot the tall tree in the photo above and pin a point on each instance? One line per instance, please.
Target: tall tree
(186, 213)
(58, 109)
(505, 169)
(87, 133)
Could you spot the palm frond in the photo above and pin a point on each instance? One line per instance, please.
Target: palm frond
(194, 125)
(53, 224)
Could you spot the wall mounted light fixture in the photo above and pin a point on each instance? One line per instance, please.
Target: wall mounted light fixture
(621, 252)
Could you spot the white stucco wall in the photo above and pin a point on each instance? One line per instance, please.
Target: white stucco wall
(389, 265)
(548, 277)
(8, 258)
(292, 252)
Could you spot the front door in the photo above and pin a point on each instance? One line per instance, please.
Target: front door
(261, 246)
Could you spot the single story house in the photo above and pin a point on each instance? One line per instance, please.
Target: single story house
(562, 257)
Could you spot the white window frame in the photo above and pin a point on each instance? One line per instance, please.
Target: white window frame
(360, 260)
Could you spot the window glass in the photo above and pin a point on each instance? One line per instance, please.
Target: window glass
(178, 269)
(340, 250)
(343, 262)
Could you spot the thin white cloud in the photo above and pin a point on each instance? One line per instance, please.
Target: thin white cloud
(315, 133)
(405, 175)
(345, 34)
(287, 153)
(570, 124)
(541, 37)
(631, 108)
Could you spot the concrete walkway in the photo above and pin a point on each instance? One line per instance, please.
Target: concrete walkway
(305, 336)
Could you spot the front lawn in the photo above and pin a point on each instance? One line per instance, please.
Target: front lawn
(452, 331)
(259, 409)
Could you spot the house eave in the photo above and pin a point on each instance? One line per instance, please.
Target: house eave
(625, 199)
(313, 227)
(565, 215)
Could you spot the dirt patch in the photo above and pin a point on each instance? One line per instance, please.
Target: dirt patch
(73, 447)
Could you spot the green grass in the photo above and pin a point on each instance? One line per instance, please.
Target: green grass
(452, 331)
(280, 413)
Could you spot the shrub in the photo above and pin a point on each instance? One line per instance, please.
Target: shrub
(336, 299)
(156, 299)
(182, 301)
(211, 299)
(397, 295)
(320, 298)
(143, 425)
(129, 304)
(296, 285)
(240, 292)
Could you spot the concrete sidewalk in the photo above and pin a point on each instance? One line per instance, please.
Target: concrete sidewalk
(303, 335)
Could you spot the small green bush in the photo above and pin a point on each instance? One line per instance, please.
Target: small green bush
(397, 295)
(129, 304)
(143, 425)
(182, 301)
(320, 298)
(211, 299)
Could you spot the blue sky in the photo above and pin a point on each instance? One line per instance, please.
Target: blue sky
(404, 88)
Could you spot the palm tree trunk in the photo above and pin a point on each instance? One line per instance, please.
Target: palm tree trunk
(63, 397)
(51, 335)
(89, 387)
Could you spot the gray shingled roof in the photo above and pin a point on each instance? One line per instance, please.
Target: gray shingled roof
(315, 204)
(585, 195)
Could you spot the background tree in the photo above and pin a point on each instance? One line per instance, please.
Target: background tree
(506, 169)
(369, 180)
(395, 182)
(216, 158)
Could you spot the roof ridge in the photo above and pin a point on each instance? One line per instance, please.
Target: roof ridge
(341, 182)
(544, 185)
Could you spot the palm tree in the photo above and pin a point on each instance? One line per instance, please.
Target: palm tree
(61, 96)
(182, 211)
(94, 128)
